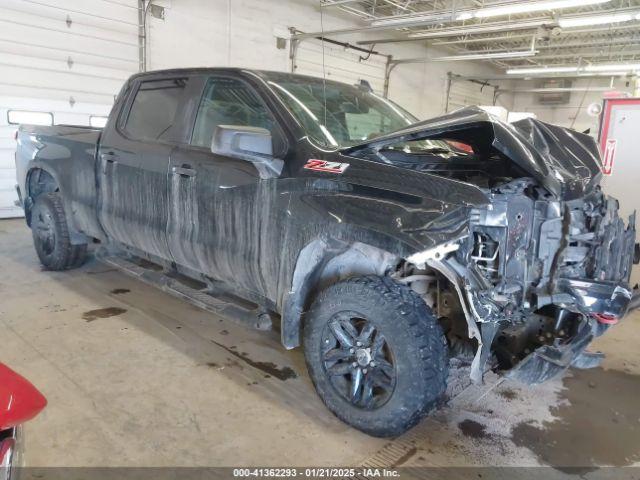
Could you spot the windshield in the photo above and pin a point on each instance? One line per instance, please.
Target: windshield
(352, 114)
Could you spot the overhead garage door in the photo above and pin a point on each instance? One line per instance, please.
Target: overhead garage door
(464, 93)
(340, 63)
(65, 57)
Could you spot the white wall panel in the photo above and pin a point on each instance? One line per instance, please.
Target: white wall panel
(573, 114)
(67, 57)
(106, 14)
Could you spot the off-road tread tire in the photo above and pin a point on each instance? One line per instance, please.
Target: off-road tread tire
(65, 255)
(414, 335)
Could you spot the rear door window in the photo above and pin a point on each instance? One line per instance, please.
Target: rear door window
(154, 108)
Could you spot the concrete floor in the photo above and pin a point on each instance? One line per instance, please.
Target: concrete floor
(135, 377)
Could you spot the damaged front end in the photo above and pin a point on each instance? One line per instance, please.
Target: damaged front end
(548, 275)
(543, 268)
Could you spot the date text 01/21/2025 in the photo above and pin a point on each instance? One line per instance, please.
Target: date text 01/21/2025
(316, 472)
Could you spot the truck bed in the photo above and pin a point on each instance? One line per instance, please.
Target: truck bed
(68, 154)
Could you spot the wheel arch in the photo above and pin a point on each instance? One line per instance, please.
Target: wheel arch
(321, 263)
(38, 180)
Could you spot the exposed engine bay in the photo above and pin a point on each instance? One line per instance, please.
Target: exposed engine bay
(535, 272)
(543, 267)
(483, 171)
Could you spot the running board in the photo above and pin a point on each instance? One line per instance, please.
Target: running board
(250, 315)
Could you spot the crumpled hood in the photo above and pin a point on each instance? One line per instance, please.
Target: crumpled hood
(565, 162)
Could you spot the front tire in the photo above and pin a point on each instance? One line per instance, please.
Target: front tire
(376, 354)
(51, 234)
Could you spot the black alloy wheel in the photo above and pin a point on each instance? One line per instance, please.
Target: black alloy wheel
(358, 360)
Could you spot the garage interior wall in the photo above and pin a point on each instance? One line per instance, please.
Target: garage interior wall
(574, 112)
(65, 57)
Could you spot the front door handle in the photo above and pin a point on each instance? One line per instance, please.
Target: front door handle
(184, 171)
(109, 157)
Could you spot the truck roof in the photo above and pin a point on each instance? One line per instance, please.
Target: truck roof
(263, 74)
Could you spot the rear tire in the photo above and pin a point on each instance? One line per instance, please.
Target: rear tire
(51, 237)
(376, 354)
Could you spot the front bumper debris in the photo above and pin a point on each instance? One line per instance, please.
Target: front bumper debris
(635, 301)
(549, 361)
(597, 298)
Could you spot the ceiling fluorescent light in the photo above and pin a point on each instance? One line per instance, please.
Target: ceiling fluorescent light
(619, 73)
(494, 11)
(486, 56)
(613, 69)
(598, 19)
(527, 7)
(625, 67)
(453, 32)
(537, 70)
(411, 20)
(464, 16)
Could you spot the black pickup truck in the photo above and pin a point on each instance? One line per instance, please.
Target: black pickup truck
(383, 245)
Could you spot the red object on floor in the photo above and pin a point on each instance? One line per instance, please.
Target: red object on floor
(6, 447)
(19, 399)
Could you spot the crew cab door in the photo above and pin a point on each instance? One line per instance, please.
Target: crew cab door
(133, 162)
(220, 215)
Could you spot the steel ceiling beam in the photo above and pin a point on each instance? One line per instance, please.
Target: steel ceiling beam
(340, 31)
(586, 55)
(490, 27)
(482, 40)
(556, 90)
(604, 43)
(468, 56)
(481, 28)
(537, 76)
(336, 3)
(563, 35)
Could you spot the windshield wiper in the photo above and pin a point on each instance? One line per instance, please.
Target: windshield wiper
(435, 150)
(424, 150)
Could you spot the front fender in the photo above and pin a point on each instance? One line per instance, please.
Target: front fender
(335, 220)
(323, 262)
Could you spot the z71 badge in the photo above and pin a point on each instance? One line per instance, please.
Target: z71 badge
(324, 166)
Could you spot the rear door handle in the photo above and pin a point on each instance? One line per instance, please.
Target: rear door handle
(184, 171)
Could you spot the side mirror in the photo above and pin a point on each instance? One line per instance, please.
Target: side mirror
(252, 144)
